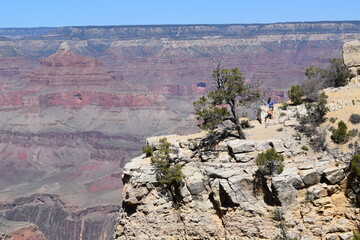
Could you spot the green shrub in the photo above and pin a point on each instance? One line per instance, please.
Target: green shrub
(295, 94)
(354, 118)
(282, 114)
(356, 235)
(167, 173)
(332, 120)
(279, 129)
(148, 150)
(340, 135)
(305, 148)
(270, 162)
(355, 165)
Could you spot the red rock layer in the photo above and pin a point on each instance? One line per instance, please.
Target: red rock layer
(26, 233)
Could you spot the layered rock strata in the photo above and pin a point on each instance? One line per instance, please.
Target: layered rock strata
(223, 199)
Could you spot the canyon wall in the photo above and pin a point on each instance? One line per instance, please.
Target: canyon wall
(76, 102)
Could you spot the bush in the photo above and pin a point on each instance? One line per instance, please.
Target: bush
(340, 135)
(336, 75)
(167, 174)
(356, 235)
(332, 120)
(354, 118)
(305, 148)
(315, 115)
(295, 94)
(270, 162)
(355, 165)
(148, 150)
(318, 142)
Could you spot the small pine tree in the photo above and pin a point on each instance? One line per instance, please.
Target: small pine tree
(340, 135)
(295, 94)
(270, 162)
(168, 174)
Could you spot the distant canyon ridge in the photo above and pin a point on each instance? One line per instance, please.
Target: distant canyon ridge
(77, 102)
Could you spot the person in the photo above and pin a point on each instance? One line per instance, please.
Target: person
(271, 104)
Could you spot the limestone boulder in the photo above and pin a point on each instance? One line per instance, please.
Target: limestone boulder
(334, 175)
(241, 146)
(351, 53)
(310, 177)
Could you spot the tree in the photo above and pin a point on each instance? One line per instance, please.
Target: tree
(355, 165)
(336, 74)
(340, 135)
(315, 116)
(270, 162)
(231, 92)
(295, 94)
(168, 174)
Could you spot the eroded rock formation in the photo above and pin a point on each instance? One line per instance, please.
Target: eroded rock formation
(223, 199)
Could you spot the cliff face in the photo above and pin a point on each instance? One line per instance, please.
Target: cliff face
(222, 198)
(75, 102)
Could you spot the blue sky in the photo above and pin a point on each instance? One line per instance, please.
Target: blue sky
(44, 13)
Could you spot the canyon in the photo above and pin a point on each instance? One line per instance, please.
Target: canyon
(77, 102)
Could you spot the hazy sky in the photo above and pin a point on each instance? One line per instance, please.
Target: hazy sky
(39, 13)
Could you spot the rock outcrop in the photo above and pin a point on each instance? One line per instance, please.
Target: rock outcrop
(77, 102)
(222, 197)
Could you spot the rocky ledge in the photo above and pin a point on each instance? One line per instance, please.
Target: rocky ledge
(222, 198)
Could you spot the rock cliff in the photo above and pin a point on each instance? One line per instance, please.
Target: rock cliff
(77, 102)
(220, 193)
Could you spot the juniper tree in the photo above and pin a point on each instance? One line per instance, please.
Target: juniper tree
(231, 92)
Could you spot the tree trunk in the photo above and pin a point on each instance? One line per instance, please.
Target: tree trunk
(237, 123)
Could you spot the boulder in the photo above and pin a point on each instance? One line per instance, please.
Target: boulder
(334, 175)
(278, 145)
(241, 146)
(262, 145)
(195, 183)
(310, 177)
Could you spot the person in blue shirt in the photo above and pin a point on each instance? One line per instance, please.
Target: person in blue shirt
(270, 111)
(271, 104)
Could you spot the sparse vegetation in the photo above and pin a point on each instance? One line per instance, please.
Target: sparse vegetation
(295, 94)
(356, 234)
(332, 120)
(283, 226)
(168, 174)
(279, 129)
(305, 148)
(148, 150)
(270, 162)
(230, 93)
(354, 118)
(340, 135)
(315, 115)
(336, 75)
(282, 114)
(355, 165)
